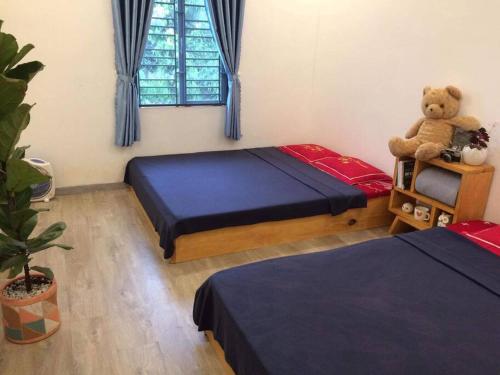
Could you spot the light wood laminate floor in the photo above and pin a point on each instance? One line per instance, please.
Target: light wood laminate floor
(124, 309)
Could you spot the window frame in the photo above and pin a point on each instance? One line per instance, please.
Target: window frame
(180, 36)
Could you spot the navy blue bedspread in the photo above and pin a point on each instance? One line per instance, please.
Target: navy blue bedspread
(420, 303)
(190, 193)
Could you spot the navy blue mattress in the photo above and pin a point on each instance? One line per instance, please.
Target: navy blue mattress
(419, 303)
(190, 193)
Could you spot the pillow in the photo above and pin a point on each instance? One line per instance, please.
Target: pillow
(489, 239)
(374, 189)
(308, 152)
(471, 226)
(351, 170)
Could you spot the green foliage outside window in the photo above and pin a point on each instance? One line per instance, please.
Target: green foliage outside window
(181, 63)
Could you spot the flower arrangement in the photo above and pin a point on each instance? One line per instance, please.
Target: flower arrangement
(479, 139)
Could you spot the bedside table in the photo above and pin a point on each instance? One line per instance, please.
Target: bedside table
(475, 182)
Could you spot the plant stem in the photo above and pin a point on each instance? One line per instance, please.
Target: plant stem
(27, 278)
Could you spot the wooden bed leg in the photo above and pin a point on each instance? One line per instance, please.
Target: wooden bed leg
(399, 226)
(219, 352)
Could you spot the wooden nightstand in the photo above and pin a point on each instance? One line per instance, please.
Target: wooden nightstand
(475, 182)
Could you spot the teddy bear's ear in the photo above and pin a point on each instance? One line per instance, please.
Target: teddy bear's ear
(453, 91)
(426, 90)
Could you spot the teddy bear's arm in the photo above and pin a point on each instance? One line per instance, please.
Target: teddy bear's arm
(412, 132)
(467, 123)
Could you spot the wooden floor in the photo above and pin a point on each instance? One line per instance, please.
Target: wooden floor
(124, 309)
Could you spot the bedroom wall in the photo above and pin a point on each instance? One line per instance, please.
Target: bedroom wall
(374, 57)
(73, 121)
(345, 73)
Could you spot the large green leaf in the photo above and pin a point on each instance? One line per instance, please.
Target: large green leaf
(48, 246)
(13, 242)
(48, 235)
(12, 92)
(15, 270)
(13, 261)
(20, 55)
(11, 127)
(27, 227)
(26, 71)
(3, 194)
(5, 224)
(4, 255)
(10, 241)
(23, 198)
(8, 250)
(19, 217)
(8, 49)
(19, 152)
(21, 175)
(47, 272)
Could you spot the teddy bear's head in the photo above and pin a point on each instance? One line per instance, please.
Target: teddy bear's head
(441, 103)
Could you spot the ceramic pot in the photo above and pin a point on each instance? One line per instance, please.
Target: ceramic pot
(473, 156)
(31, 319)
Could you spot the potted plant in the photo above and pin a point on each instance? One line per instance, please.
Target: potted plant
(29, 302)
(476, 151)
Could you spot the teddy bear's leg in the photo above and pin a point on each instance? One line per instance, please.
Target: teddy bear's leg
(429, 151)
(403, 147)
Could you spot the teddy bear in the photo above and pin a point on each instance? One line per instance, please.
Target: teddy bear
(433, 133)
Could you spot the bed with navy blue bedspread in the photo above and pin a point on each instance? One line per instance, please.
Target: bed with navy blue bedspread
(189, 193)
(419, 303)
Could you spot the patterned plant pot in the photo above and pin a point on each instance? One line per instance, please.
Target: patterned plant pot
(32, 319)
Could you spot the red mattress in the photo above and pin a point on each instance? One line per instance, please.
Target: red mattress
(484, 233)
(353, 171)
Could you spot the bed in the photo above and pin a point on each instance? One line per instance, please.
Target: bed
(212, 203)
(419, 303)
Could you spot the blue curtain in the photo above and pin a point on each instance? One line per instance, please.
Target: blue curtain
(131, 20)
(226, 20)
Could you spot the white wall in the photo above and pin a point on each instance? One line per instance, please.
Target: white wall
(344, 73)
(374, 58)
(73, 121)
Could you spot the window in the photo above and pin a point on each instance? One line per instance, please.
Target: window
(181, 63)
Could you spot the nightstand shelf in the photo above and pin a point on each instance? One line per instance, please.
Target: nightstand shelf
(475, 182)
(426, 200)
(410, 220)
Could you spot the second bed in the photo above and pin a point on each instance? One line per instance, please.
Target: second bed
(425, 302)
(212, 203)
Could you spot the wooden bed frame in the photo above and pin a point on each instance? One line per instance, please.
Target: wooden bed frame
(219, 352)
(246, 237)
